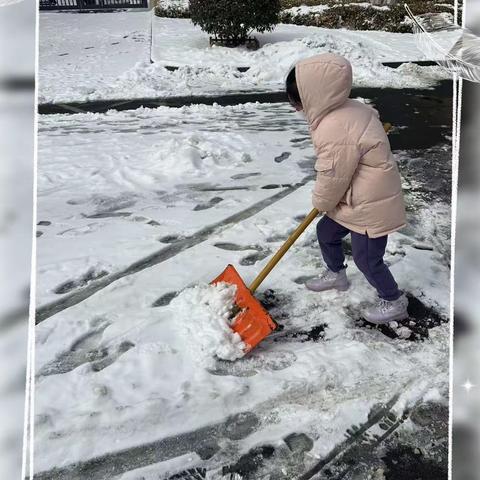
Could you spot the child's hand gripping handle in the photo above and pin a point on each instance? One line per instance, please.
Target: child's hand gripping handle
(283, 250)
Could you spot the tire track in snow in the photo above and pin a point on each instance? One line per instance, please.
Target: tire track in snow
(353, 440)
(46, 311)
(204, 441)
(364, 451)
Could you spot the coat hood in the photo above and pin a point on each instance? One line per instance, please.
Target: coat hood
(324, 83)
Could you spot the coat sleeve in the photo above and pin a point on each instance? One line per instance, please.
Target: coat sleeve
(335, 166)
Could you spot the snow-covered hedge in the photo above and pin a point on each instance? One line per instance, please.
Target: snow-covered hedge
(310, 3)
(386, 15)
(172, 8)
(357, 15)
(234, 21)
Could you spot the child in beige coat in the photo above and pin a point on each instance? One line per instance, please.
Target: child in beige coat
(358, 185)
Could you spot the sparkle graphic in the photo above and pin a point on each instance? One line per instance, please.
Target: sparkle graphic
(468, 385)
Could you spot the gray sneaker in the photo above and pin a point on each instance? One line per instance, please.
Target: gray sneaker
(385, 311)
(329, 280)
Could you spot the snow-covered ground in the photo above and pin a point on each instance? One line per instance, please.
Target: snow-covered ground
(146, 177)
(82, 53)
(107, 56)
(116, 371)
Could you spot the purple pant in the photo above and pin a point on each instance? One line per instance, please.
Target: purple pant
(367, 254)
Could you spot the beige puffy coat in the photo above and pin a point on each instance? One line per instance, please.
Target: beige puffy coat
(358, 184)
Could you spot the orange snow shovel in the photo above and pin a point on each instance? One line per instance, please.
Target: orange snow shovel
(253, 323)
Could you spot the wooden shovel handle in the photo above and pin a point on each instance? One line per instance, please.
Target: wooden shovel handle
(283, 250)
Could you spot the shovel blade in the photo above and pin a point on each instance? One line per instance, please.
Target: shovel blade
(253, 323)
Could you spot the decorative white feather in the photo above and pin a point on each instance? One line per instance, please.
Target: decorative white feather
(454, 48)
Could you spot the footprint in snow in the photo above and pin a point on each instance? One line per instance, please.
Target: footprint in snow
(153, 223)
(303, 279)
(241, 176)
(207, 205)
(165, 299)
(89, 276)
(277, 237)
(112, 354)
(271, 186)
(254, 258)
(235, 247)
(299, 442)
(299, 139)
(83, 230)
(98, 358)
(106, 203)
(84, 349)
(313, 334)
(170, 238)
(108, 215)
(273, 299)
(282, 157)
(248, 464)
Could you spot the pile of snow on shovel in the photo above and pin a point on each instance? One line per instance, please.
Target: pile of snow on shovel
(203, 318)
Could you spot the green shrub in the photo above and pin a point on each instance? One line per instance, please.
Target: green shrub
(362, 18)
(234, 20)
(341, 14)
(171, 12)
